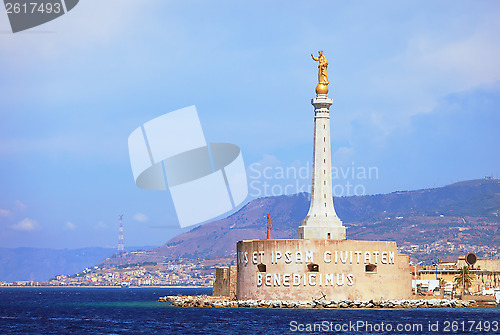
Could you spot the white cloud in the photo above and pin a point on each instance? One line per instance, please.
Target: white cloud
(26, 225)
(69, 226)
(422, 66)
(457, 65)
(141, 217)
(84, 27)
(4, 212)
(19, 206)
(268, 160)
(343, 156)
(101, 226)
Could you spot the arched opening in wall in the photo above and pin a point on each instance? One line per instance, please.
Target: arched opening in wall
(371, 268)
(328, 236)
(261, 267)
(313, 267)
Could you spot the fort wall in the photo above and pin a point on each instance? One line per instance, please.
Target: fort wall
(305, 269)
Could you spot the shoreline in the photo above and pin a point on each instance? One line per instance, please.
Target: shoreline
(225, 302)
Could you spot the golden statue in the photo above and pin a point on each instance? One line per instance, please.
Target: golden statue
(322, 87)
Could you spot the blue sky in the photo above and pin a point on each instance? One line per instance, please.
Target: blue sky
(415, 86)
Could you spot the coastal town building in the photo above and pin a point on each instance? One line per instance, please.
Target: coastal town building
(178, 273)
(485, 277)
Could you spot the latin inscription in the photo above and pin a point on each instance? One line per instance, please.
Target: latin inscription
(308, 279)
(307, 257)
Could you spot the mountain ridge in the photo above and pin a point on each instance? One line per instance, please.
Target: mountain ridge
(391, 216)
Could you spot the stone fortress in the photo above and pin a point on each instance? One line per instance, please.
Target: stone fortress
(321, 263)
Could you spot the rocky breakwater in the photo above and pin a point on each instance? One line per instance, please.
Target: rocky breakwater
(211, 301)
(193, 300)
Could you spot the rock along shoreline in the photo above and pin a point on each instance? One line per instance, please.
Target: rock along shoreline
(223, 302)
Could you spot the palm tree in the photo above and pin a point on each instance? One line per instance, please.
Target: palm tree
(464, 278)
(442, 284)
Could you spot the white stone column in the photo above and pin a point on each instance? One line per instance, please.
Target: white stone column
(321, 221)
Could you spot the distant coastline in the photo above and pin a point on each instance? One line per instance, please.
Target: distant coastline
(100, 287)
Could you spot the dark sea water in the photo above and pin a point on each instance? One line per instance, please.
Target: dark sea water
(135, 311)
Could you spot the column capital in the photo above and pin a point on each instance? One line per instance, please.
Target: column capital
(321, 103)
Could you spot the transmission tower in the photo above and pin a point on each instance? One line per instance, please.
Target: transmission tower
(120, 236)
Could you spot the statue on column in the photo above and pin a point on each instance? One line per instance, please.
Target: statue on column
(322, 87)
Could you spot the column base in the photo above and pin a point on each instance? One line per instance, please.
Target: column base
(324, 233)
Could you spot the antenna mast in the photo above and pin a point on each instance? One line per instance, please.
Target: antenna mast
(120, 236)
(269, 227)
